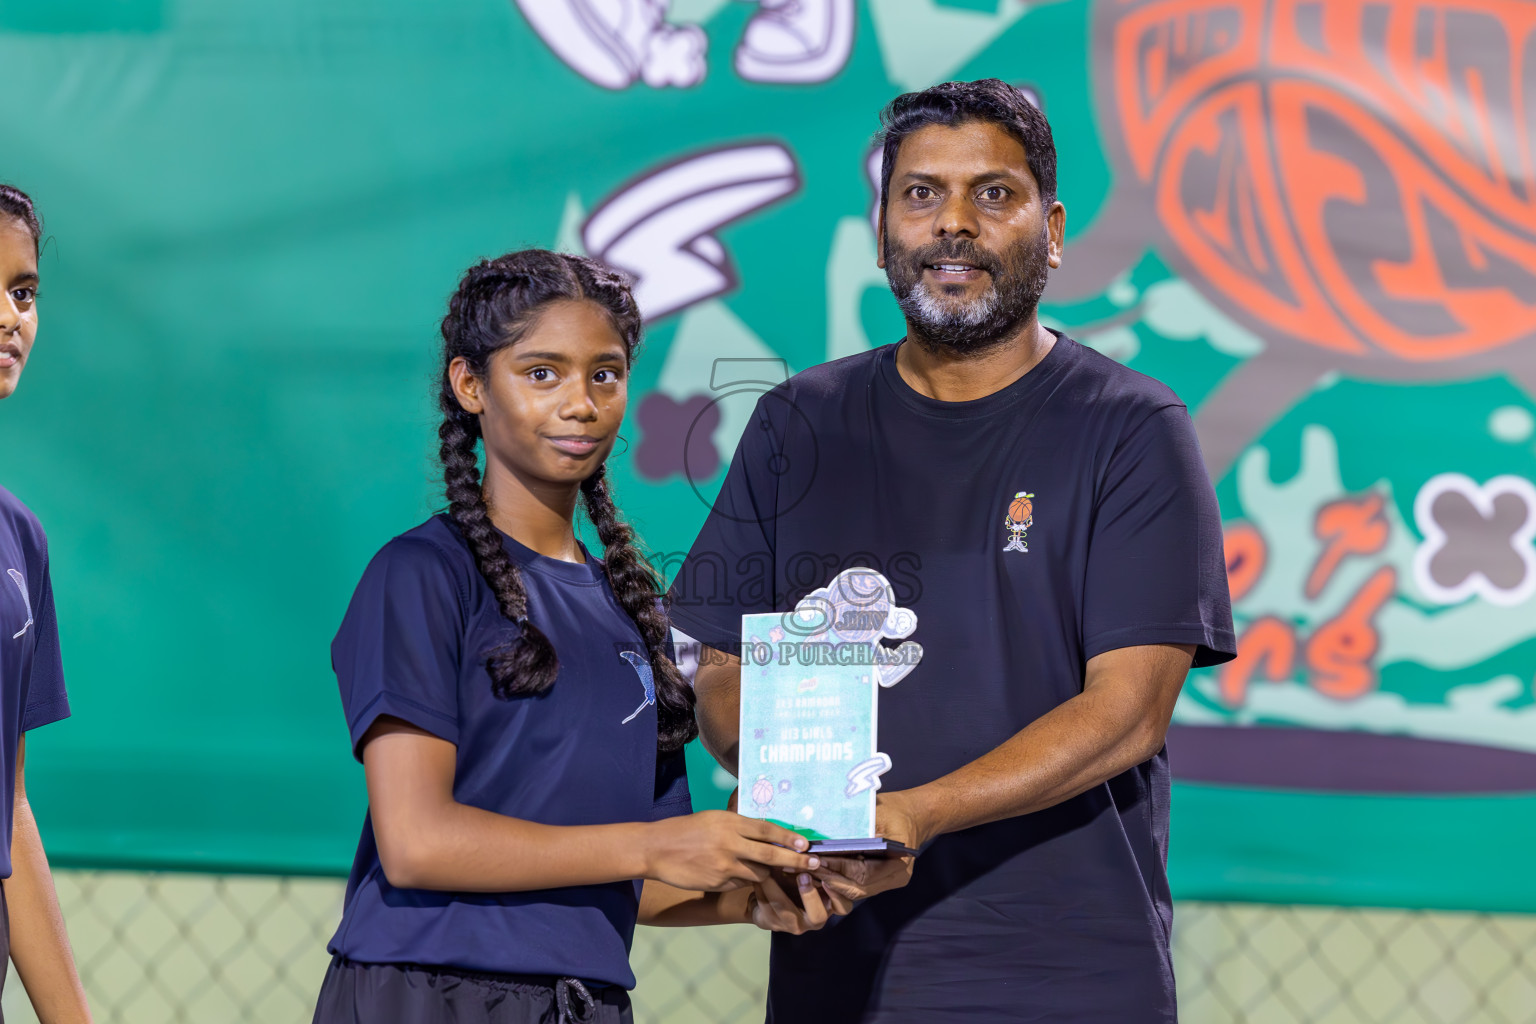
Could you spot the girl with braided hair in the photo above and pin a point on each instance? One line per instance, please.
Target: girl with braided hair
(31, 672)
(514, 700)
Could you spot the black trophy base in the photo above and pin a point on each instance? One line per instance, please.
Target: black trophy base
(873, 847)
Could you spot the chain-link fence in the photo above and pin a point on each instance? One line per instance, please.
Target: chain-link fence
(1336, 965)
(207, 949)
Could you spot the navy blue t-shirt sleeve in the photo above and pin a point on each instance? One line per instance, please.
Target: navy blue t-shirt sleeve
(399, 647)
(46, 700)
(672, 795)
(723, 577)
(1156, 573)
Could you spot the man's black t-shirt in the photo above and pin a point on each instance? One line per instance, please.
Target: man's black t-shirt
(1066, 515)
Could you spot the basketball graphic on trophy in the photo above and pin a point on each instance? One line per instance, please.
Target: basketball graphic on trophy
(762, 793)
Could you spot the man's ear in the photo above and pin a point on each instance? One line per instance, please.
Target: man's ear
(466, 386)
(880, 235)
(1056, 231)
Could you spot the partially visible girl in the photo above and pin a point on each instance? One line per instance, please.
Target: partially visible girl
(31, 673)
(515, 704)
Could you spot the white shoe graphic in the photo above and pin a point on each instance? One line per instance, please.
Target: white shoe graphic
(659, 228)
(614, 43)
(799, 41)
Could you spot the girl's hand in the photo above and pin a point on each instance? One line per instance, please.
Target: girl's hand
(716, 851)
(771, 909)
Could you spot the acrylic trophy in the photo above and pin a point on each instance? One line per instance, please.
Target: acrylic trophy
(810, 684)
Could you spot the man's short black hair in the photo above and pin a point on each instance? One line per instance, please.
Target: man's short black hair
(952, 104)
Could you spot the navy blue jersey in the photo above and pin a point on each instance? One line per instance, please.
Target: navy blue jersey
(413, 646)
(31, 673)
(1065, 515)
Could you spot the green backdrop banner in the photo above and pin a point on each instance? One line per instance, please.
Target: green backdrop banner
(1316, 222)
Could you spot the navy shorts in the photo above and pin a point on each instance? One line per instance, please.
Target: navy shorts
(355, 993)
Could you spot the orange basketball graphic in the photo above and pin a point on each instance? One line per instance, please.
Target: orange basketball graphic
(1021, 508)
(1351, 179)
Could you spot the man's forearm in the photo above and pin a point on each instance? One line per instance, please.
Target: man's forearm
(666, 906)
(1084, 742)
(39, 946)
(718, 688)
(1070, 750)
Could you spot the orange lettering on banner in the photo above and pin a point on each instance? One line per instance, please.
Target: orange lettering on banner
(1247, 555)
(1349, 526)
(1269, 642)
(1340, 651)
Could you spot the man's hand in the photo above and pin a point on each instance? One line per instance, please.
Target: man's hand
(834, 901)
(857, 878)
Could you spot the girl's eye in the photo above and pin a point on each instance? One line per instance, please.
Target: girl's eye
(24, 295)
(541, 374)
(605, 376)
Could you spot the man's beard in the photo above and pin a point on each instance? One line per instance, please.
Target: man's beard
(1018, 275)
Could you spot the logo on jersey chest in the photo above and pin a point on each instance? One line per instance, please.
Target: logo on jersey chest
(26, 601)
(642, 667)
(1020, 517)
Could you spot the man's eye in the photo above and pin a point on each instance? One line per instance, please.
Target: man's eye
(922, 192)
(995, 193)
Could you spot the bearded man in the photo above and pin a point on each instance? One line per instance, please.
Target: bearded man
(1058, 539)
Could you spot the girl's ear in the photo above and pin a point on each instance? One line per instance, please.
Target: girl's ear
(466, 386)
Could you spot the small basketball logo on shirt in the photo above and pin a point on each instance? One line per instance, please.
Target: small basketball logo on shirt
(1020, 517)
